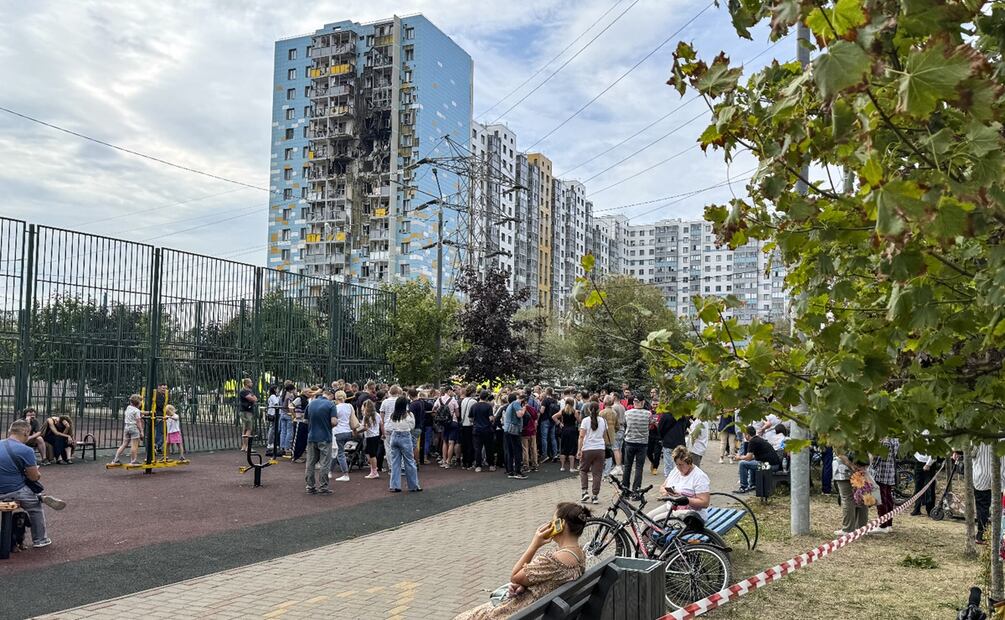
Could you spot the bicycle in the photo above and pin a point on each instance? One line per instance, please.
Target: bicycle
(694, 569)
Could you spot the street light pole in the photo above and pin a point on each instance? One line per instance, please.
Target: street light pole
(439, 275)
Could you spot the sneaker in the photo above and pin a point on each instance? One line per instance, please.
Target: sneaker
(617, 470)
(509, 475)
(45, 542)
(325, 492)
(343, 478)
(395, 490)
(492, 468)
(585, 498)
(519, 477)
(744, 490)
(882, 530)
(839, 532)
(418, 490)
(311, 491)
(562, 469)
(370, 476)
(53, 502)
(594, 500)
(478, 470)
(654, 471)
(720, 461)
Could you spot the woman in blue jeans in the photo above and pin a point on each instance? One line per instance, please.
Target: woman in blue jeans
(400, 429)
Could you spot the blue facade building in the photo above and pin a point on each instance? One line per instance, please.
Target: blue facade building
(355, 109)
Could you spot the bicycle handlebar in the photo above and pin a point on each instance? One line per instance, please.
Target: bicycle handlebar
(613, 480)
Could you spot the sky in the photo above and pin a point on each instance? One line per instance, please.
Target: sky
(191, 83)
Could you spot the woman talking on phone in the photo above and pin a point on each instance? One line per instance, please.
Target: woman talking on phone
(536, 574)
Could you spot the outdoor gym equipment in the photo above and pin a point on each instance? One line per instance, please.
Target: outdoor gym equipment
(258, 464)
(152, 462)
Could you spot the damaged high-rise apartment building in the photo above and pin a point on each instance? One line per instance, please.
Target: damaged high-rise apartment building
(355, 108)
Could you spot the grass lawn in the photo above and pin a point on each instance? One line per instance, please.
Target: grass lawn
(862, 580)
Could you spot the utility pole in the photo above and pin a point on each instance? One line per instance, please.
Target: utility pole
(439, 276)
(799, 467)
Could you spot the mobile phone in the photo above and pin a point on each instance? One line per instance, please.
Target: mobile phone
(557, 525)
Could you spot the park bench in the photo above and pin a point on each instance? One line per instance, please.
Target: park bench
(7, 510)
(87, 442)
(722, 519)
(615, 589)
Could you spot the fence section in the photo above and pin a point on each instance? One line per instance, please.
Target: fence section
(87, 320)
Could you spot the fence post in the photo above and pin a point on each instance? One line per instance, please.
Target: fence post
(155, 340)
(22, 380)
(256, 346)
(334, 323)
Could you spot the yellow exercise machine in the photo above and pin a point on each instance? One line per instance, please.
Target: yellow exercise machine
(152, 462)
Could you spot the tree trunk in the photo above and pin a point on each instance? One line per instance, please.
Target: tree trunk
(969, 549)
(996, 529)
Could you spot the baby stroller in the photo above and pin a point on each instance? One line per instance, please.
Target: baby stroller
(355, 453)
(951, 504)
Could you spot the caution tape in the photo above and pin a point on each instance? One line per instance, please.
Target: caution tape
(778, 571)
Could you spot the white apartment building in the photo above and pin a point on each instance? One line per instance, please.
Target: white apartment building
(493, 238)
(572, 227)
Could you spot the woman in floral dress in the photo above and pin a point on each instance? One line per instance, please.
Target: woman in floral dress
(535, 575)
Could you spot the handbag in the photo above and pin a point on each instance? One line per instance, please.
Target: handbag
(33, 485)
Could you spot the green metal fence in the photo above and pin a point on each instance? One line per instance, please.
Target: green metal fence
(87, 320)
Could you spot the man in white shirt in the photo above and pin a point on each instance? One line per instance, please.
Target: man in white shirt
(984, 462)
(467, 427)
(696, 440)
(922, 474)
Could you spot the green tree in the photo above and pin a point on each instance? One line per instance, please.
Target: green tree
(411, 345)
(898, 282)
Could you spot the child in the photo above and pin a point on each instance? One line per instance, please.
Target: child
(133, 431)
(373, 428)
(174, 432)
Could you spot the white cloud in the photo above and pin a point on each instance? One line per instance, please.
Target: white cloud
(192, 83)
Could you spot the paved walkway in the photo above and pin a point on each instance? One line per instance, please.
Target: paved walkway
(431, 568)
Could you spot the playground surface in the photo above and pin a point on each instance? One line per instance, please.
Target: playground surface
(124, 531)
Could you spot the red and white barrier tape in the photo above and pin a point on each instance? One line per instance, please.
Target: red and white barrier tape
(778, 571)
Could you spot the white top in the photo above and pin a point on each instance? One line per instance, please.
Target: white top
(594, 439)
(274, 403)
(374, 429)
(387, 407)
(689, 486)
(132, 416)
(466, 405)
(769, 434)
(405, 425)
(174, 426)
(344, 413)
(697, 437)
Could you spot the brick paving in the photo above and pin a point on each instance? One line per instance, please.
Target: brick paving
(431, 568)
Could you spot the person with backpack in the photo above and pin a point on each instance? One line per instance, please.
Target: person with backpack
(528, 437)
(549, 438)
(512, 429)
(446, 412)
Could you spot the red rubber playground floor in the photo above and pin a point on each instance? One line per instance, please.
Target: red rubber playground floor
(113, 511)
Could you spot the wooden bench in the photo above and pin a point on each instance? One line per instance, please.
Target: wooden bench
(87, 442)
(6, 524)
(615, 589)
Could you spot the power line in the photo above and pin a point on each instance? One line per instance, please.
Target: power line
(162, 206)
(132, 152)
(563, 65)
(553, 59)
(644, 170)
(622, 76)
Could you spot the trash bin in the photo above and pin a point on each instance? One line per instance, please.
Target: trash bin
(638, 593)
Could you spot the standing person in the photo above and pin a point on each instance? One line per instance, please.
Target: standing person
(983, 462)
(483, 422)
(285, 419)
(321, 419)
(626, 397)
(467, 427)
(758, 451)
(18, 475)
(369, 393)
(610, 416)
(549, 439)
(418, 410)
(591, 451)
(373, 429)
(429, 442)
(272, 406)
(159, 407)
(528, 437)
(447, 414)
(174, 432)
(696, 440)
(132, 433)
(386, 409)
(653, 448)
(246, 400)
(341, 433)
(568, 421)
(727, 438)
(885, 467)
(513, 427)
(853, 515)
(672, 432)
(501, 403)
(400, 428)
(636, 443)
(922, 474)
(619, 433)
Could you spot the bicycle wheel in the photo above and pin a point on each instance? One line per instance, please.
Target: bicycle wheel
(602, 539)
(694, 572)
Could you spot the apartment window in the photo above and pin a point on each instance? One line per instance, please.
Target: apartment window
(307, 111)
(289, 133)
(287, 213)
(303, 213)
(409, 33)
(305, 152)
(305, 132)
(408, 76)
(286, 255)
(291, 93)
(286, 234)
(303, 192)
(403, 270)
(307, 91)
(287, 193)
(288, 174)
(290, 112)
(291, 54)
(291, 74)
(409, 53)
(404, 247)
(288, 154)
(304, 172)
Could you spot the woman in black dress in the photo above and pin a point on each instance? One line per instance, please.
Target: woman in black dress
(58, 433)
(568, 421)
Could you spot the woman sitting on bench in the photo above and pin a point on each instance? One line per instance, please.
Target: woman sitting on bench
(692, 485)
(534, 576)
